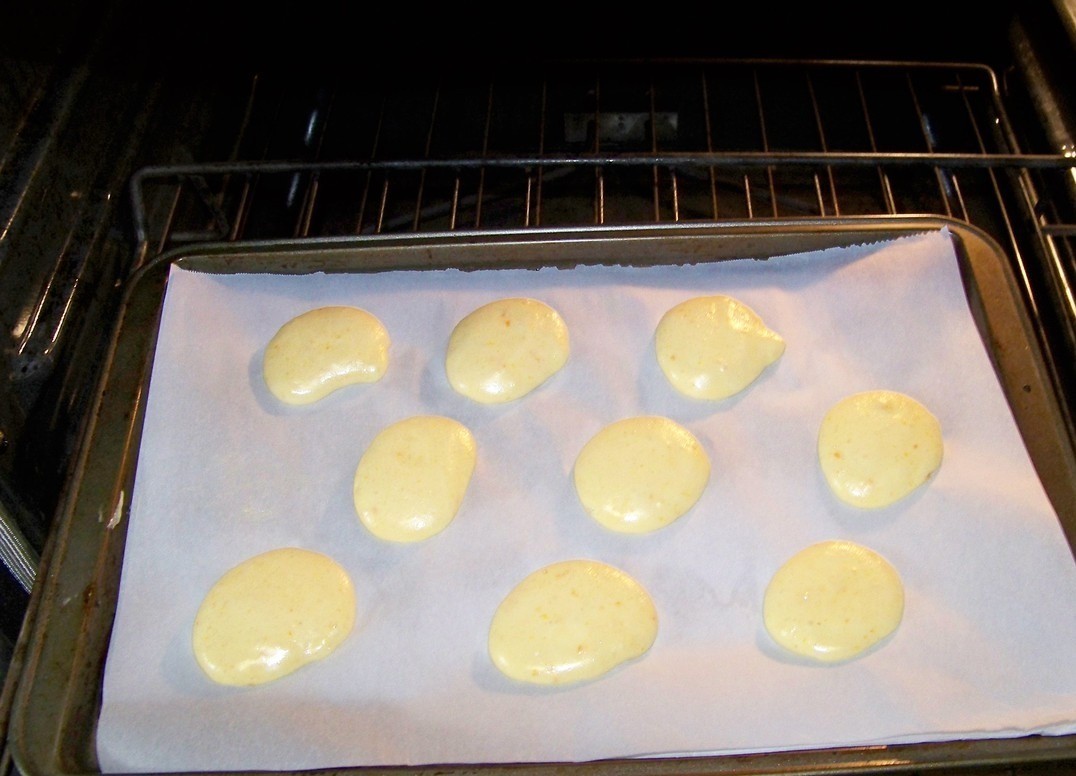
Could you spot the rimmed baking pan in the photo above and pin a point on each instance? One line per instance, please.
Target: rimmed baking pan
(56, 695)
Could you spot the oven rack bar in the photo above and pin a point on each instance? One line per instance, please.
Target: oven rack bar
(208, 182)
(221, 201)
(659, 117)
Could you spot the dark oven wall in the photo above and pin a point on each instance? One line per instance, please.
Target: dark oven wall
(200, 95)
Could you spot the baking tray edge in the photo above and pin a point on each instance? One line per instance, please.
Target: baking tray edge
(50, 702)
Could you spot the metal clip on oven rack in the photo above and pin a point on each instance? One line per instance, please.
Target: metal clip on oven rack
(638, 143)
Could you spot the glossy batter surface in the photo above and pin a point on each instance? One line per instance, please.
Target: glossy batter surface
(271, 615)
(832, 601)
(639, 474)
(505, 349)
(324, 350)
(876, 447)
(712, 347)
(411, 480)
(570, 622)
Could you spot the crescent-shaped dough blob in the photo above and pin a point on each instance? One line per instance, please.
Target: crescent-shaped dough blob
(324, 350)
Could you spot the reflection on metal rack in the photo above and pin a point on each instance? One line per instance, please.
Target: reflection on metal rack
(635, 143)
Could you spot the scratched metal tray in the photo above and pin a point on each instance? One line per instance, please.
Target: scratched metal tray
(53, 696)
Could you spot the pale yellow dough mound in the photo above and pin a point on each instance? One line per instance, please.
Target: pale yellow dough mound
(832, 601)
(712, 347)
(505, 349)
(323, 350)
(411, 480)
(639, 474)
(570, 622)
(271, 615)
(876, 447)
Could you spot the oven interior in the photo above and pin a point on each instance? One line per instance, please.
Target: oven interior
(126, 132)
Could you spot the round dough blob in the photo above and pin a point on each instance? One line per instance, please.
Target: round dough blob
(505, 349)
(876, 447)
(832, 601)
(712, 347)
(272, 614)
(411, 480)
(570, 622)
(323, 350)
(641, 473)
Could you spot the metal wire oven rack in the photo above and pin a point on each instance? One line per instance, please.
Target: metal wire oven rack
(607, 143)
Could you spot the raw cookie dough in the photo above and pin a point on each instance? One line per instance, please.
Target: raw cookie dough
(570, 622)
(712, 347)
(832, 601)
(272, 614)
(323, 350)
(411, 480)
(876, 447)
(641, 473)
(505, 349)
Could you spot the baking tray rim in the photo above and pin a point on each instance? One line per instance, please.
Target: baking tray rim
(36, 740)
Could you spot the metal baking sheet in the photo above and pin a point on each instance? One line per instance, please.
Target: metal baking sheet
(75, 668)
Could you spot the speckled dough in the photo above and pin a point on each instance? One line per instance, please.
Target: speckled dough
(324, 350)
(713, 347)
(571, 621)
(505, 349)
(639, 474)
(876, 447)
(271, 615)
(832, 601)
(411, 480)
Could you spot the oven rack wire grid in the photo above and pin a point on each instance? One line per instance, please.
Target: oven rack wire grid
(576, 144)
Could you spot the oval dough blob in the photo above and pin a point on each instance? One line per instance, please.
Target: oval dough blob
(571, 621)
(505, 349)
(272, 614)
(411, 480)
(832, 601)
(323, 350)
(641, 473)
(876, 447)
(712, 347)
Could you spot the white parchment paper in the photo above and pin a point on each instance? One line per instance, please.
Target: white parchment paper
(985, 648)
